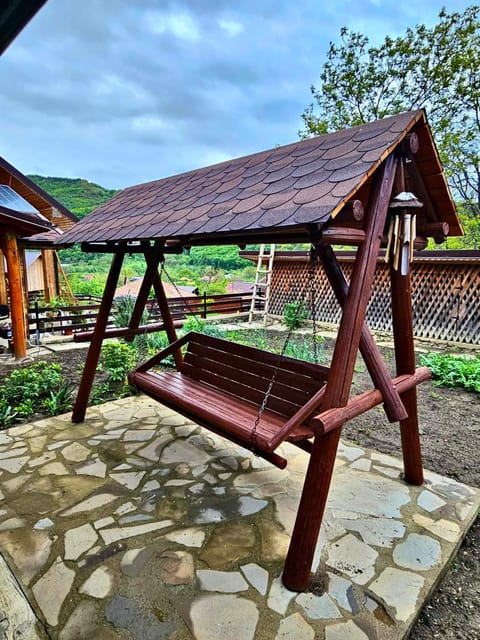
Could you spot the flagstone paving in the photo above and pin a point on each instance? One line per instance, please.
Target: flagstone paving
(138, 524)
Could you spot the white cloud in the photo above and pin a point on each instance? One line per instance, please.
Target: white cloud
(232, 27)
(180, 25)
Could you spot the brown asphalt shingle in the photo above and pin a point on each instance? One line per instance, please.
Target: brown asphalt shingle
(288, 187)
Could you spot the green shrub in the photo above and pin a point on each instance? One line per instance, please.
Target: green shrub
(294, 313)
(117, 359)
(59, 401)
(453, 371)
(7, 414)
(304, 348)
(24, 391)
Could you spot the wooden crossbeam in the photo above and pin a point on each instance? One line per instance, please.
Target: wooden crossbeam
(371, 354)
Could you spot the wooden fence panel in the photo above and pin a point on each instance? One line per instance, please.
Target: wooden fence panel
(446, 294)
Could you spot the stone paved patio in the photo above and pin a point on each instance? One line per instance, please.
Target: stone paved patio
(138, 524)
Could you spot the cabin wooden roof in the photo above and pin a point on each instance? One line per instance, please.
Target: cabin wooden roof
(279, 194)
(44, 203)
(22, 223)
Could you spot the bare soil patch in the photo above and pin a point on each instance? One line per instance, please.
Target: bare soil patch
(450, 431)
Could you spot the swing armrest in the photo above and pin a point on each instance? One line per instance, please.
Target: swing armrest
(296, 420)
(161, 355)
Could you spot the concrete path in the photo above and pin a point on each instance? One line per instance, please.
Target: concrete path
(138, 524)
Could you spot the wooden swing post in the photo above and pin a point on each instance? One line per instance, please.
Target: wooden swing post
(298, 564)
(91, 362)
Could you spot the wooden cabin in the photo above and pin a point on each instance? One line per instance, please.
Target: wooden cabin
(375, 185)
(29, 219)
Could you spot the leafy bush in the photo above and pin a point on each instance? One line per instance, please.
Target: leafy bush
(7, 414)
(117, 359)
(303, 349)
(294, 313)
(24, 391)
(453, 371)
(59, 401)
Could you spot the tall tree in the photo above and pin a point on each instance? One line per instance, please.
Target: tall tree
(437, 68)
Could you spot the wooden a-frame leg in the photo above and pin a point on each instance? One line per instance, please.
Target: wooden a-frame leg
(166, 316)
(402, 318)
(376, 366)
(296, 574)
(78, 414)
(152, 259)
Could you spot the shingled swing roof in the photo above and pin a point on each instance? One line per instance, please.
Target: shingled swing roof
(277, 194)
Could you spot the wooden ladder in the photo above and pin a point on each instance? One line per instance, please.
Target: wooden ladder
(64, 288)
(262, 285)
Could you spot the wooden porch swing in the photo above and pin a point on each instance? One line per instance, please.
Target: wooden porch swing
(335, 189)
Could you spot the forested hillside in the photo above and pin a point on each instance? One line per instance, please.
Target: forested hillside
(78, 195)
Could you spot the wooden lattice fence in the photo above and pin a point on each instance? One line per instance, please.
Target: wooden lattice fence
(446, 293)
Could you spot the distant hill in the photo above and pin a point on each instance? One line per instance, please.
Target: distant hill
(78, 195)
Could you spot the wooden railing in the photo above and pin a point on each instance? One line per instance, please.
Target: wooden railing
(68, 319)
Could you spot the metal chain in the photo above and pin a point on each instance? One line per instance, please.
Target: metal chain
(313, 310)
(263, 406)
(189, 308)
(268, 392)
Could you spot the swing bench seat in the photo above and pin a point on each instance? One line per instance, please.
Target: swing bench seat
(221, 385)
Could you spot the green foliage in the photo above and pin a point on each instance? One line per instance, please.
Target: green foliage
(303, 348)
(225, 258)
(24, 391)
(78, 195)
(7, 414)
(453, 371)
(471, 228)
(117, 359)
(436, 68)
(90, 287)
(207, 328)
(59, 401)
(294, 313)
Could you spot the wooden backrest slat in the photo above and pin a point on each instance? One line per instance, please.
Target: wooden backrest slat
(242, 365)
(252, 353)
(248, 380)
(281, 406)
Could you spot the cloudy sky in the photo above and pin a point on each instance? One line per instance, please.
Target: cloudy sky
(125, 91)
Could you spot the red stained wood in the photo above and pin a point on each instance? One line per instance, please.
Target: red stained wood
(335, 418)
(125, 332)
(12, 257)
(373, 359)
(166, 314)
(299, 559)
(402, 318)
(223, 384)
(78, 414)
(343, 235)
